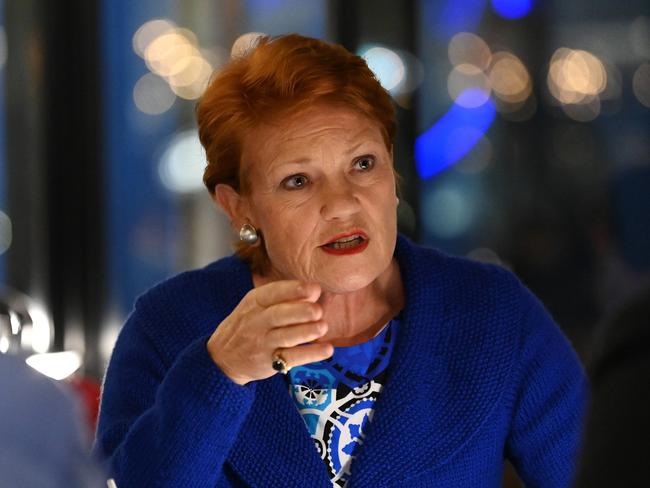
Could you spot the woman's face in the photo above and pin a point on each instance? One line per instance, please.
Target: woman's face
(322, 191)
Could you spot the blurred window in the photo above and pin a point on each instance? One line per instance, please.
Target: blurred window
(158, 56)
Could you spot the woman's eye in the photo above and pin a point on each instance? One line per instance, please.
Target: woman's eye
(365, 163)
(295, 182)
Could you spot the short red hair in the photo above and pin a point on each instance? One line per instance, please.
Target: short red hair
(276, 77)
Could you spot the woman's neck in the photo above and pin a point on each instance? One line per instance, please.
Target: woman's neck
(359, 316)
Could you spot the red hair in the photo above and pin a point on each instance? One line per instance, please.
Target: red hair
(276, 77)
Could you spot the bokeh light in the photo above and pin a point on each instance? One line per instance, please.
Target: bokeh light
(244, 43)
(468, 48)
(449, 213)
(39, 337)
(191, 82)
(576, 76)
(587, 110)
(509, 78)
(478, 159)
(466, 78)
(386, 64)
(174, 54)
(167, 54)
(484, 73)
(453, 136)
(148, 32)
(152, 95)
(512, 9)
(56, 365)
(445, 18)
(641, 84)
(181, 165)
(414, 75)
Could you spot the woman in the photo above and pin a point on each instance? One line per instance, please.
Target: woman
(403, 366)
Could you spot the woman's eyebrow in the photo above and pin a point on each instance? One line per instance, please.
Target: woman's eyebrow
(282, 160)
(353, 149)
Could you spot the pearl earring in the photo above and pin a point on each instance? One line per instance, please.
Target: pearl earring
(248, 234)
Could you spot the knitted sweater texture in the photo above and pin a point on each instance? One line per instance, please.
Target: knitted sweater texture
(479, 373)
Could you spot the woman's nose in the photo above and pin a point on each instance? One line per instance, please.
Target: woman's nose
(339, 201)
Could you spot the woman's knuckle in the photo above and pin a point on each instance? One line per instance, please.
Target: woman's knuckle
(285, 341)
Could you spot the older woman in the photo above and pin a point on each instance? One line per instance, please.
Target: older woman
(402, 366)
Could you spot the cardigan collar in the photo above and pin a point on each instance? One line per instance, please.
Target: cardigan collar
(418, 391)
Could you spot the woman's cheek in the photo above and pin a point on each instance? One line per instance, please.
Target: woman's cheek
(295, 199)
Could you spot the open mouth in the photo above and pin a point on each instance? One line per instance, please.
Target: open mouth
(350, 243)
(346, 242)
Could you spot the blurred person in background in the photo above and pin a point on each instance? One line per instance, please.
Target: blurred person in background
(401, 365)
(616, 449)
(43, 443)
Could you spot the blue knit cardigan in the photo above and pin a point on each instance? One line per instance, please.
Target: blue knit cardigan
(479, 373)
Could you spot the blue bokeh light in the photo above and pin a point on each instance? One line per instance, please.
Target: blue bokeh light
(512, 9)
(453, 136)
(444, 19)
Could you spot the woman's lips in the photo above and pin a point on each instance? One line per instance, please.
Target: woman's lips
(346, 250)
(347, 236)
(349, 243)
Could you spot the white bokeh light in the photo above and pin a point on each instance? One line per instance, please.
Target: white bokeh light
(576, 76)
(182, 164)
(41, 328)
(152, 95)
(468, 48)
(466, 78)
(244, 43)
(56, 365)
(386, 64)
(148, 32)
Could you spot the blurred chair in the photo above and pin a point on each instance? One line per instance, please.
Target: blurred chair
(42, 440)
(616, 450)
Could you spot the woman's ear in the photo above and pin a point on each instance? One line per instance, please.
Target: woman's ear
(231, 202)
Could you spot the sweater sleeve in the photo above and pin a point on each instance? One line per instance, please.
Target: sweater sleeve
(167, 425)
(550, 395)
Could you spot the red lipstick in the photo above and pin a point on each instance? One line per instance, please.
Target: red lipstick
(348, 243)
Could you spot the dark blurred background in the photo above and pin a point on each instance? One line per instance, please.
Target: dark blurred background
(524, 140)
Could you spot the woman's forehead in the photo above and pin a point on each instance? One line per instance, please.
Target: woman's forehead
(315, 126)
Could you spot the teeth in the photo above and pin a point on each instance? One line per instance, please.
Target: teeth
(348, 239)
(346, 243)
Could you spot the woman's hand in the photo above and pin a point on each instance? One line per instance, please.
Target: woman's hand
(281, 314)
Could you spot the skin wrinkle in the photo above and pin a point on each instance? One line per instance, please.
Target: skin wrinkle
(360, 291)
